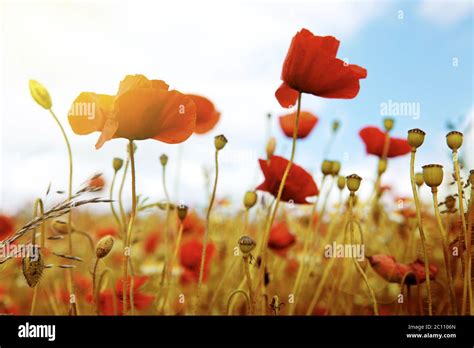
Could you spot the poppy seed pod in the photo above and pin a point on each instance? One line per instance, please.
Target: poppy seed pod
(341, 182)
(450, 202)
(419, 179)
(246, 245)
(33, 266)
(335, 126)
(335, 168)
(117, 163)
(219, 142)
(353, 182)
(382, 166)
(40, 94)
(104, 245)
(433, 175)
(271, 145)
(416, 137)
(388, 123)
(326, 167)
(250, 198)
(182, 212)
(163, 160)
(454, 140)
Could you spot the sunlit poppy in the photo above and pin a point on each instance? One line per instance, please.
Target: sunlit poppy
(281, 237)
(142, 109)
(206, 114)
(141, 300)
(311, 67)
(306, 123)
(193, 224)
(393, 271)
(190, 258)
(374, 140)
(299, 184)
(106, 231)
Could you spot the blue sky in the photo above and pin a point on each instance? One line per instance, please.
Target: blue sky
(233, 54)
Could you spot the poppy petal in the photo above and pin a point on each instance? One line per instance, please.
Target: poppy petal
(88, 113)
(286, 96)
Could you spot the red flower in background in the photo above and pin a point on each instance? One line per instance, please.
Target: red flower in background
(306, 123)
(107, 231)
(151, 242)
(141, 301)
(96, 182)
(299, 184)
(190, 257)
(311, 67)
(193, 223)
(6, 226)
(281, 238)
(374, 140)
(106, 303)
(206, 114)
(393, 271)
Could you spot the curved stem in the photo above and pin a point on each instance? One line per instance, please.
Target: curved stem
(206, 235)
(249, 283)
(73, 305)
(120, 201)
(95, 291)
(128, 236)
(112, 208)
(420, 228)
(447, 260)
(233, 293)
(38, 206)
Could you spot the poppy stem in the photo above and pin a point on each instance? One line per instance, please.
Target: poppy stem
(95, 291)
(420, 229)
(73, 305)
(112, 208)
(128, 236)
(263, 247)
(249, 282)
(447, 260)
(206, 235)
(168, 202)
(467, 280)
(231, 296)
(120, 201)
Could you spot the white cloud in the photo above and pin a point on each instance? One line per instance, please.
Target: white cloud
(446, 12)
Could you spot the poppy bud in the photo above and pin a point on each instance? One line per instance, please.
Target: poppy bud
(416, 137)
(450, 202)
(454, 140)
(33, 266)
(117, 163)
(335, 125)
(388, 123)
(271, 145)
(60, 227)
(40, 94)
(104, 246)
(433, 175)
(353, 182)
(163, 160)
(250, 198)
(419, 179)
(182, 212)
(246, 245)
(326, 167)
(219, 142)
(341, 182)
(382, 166)
(335, 168)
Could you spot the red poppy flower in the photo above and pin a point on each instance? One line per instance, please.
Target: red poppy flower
(6, 227)
(306, 123)
(311, 67)
(206, 114)
(281, 238)
(151, 242)
(107, 231)
(299, 184)
(392, 271)
(142, 109)
(96, 183)
(141, 301)
(190, 258)
(374, 140)
(193, 223)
